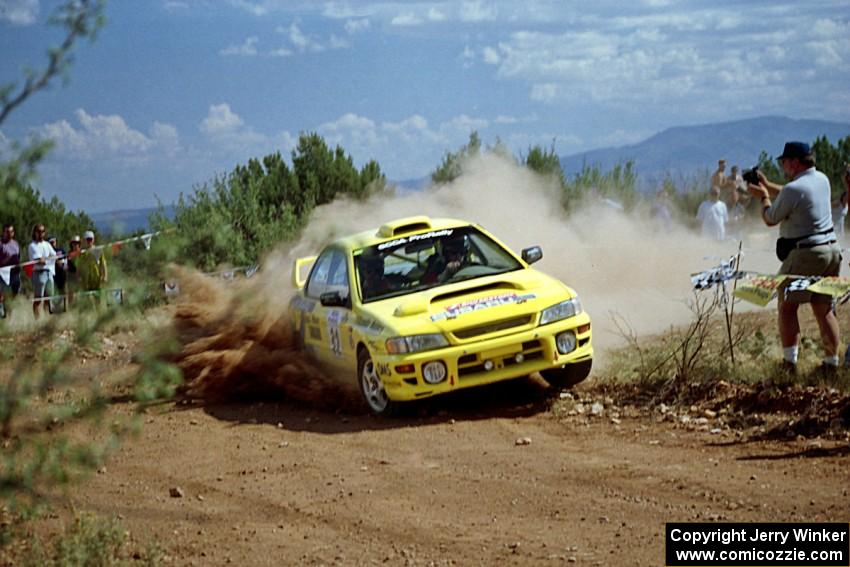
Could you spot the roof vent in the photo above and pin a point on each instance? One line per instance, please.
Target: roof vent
(404, 226)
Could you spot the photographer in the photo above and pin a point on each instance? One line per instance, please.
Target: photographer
(807, 247)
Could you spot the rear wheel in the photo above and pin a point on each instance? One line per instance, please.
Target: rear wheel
(372, 388)
(567, 376)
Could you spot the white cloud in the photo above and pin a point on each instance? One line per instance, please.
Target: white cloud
(478, 11)
(406, 19)
(462, 125)
(105, 136)
(298, 39)
(232, 138)
(546, 92)
(166, 137)
(19, 12)
(220, 119)
(336, 42)
(407, 147)
(491, 56)
(175, 5)
(257, 9)
(247, 48)
(340, 11)
(436, 15)
(280, 52)
(356, 26)
(303, 42)
(467, 57)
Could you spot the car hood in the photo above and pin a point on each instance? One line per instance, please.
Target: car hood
(469, 310)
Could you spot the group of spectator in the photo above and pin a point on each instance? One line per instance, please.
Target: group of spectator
(55, 271)
(722, 214)
(726, 206)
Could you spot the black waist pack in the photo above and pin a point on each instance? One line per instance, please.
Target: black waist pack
(784, 246)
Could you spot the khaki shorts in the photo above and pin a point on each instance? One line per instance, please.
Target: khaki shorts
(823, 260)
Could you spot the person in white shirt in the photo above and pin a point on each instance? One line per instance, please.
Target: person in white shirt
(714, 215)
(42, 253)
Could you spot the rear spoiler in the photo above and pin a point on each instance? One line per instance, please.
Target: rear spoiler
(297, 267)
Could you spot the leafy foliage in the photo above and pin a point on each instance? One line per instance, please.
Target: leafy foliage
(24, 206)
(42, 400)
(546, 162)
(833, 161)
(452, 165)
(52, 430)
(89, 542)
(241, 215)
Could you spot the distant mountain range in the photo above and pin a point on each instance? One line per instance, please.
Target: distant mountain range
(125, 221)
(683, 150)
(690, 149)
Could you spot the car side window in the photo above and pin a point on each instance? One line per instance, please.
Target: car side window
(338, 276)
(318, 282)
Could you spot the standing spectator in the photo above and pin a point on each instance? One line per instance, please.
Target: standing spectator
(718, 178)
(660, 211)
(736, 180)
(92, 264)
(42, 253)
(735, 185)
(59, 270)
(714, 215)
(802, 211)
(73, 275)
(10, 255)
(59, 276)
(725, 184)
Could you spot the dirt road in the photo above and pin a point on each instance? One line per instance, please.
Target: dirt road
(497, 477)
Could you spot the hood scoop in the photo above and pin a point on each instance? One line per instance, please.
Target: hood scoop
(495, 286)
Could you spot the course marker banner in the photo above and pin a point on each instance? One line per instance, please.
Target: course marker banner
(837, 286)
(757, 544)
(758, 288)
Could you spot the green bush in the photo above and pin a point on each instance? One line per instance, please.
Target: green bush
(90, 541)
(238, 217)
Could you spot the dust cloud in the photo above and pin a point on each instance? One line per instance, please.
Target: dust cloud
(237, 340)
(236, 343)
(619, 263)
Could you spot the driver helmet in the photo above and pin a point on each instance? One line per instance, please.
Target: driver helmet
(455, 245)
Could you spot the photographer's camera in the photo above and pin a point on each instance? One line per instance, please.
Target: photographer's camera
(751, 175)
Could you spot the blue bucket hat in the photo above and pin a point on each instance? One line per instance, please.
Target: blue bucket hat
(795, 150)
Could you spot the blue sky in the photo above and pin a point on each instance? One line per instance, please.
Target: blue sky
(174, 92)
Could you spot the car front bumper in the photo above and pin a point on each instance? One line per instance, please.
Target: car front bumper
(485, 361)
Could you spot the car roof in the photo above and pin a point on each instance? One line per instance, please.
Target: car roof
(396, 229)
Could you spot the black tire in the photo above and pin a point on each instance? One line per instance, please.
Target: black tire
(371, 387)
(567, 376)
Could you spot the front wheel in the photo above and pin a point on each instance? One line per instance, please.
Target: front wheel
(372, 388)
(567, 376)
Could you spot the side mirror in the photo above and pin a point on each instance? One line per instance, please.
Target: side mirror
(333, 299)
(532, 254)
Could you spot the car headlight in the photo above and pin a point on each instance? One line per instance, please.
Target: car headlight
(415, 343)
(563, 310)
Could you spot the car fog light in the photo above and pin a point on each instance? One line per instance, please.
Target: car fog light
(566, 342)
(519, 358)
(434, 372)
(489, 365)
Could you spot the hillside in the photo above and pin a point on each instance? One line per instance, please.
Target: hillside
(689, 149)
(126, 221)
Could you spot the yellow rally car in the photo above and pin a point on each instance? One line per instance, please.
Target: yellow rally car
(424, 306)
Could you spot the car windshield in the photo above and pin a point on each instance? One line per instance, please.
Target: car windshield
(422, 261)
